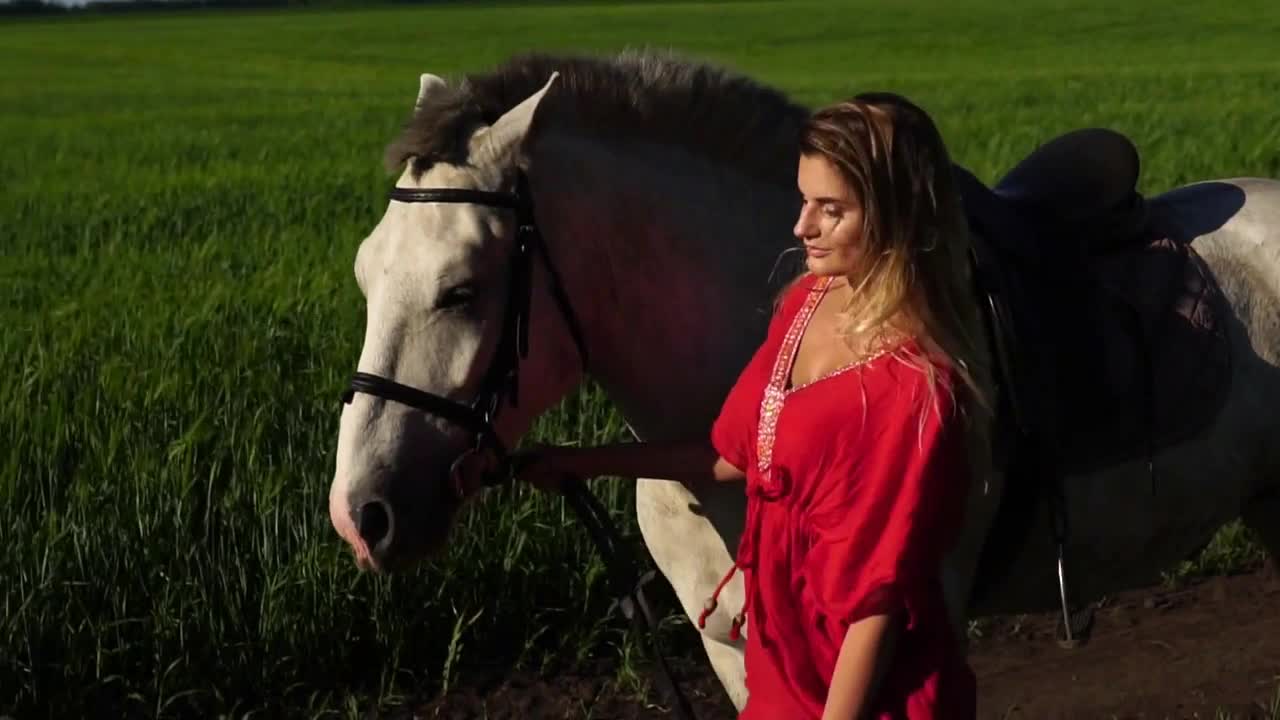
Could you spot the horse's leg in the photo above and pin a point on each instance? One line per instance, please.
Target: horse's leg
(727, 660)
(690, 553)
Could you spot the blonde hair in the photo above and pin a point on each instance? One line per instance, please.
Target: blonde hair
(916, 276)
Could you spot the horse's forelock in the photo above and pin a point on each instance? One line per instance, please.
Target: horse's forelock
(437, 131)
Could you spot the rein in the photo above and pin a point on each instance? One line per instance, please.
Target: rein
(502, 382)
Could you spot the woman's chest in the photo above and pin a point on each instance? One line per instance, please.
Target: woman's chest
(821, 349)
(816, 436)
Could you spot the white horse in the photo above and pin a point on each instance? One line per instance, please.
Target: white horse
(664, 192)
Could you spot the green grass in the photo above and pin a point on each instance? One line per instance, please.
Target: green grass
(182, 197)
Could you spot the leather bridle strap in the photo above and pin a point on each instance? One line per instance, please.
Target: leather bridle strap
(630, 599)
(456, 195)
(467, 417)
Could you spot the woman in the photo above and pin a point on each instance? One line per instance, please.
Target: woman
(852, 427)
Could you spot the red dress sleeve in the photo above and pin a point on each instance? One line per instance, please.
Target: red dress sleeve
(733, 432)
(879, 534)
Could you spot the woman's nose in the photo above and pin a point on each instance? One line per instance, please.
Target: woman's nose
(805, 227)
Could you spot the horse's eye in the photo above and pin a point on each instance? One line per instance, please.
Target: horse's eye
(456, 296)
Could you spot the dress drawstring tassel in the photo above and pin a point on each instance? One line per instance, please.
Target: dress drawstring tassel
(710, 606)
(740, 619)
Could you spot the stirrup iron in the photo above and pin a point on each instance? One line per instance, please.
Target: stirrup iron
(1073, 627)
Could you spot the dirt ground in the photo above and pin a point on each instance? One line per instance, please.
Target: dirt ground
(1185, 653)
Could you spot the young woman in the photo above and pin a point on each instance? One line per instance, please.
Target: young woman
(856, 427)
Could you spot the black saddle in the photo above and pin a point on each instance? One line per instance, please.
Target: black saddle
(1108, 335)
(1084, 181)
(1034, 233)
(1080, 188)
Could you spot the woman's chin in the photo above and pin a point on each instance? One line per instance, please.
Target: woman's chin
(825, 267)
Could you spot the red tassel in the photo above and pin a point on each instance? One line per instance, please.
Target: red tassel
(710, 605)
(735, 632)
(707, 608)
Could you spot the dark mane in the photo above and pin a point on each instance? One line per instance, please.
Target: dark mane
(647, 96)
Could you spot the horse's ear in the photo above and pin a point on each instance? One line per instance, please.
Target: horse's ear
(503, 141)
(428, 84)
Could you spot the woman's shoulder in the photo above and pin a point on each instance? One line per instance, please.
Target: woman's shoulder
(915, 380)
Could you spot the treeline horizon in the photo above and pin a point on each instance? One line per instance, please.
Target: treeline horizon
(46, 7)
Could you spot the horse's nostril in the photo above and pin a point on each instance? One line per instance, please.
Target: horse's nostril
(373, 522)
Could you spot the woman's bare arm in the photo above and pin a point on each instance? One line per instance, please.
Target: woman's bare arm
(688, 462)
(864, 657)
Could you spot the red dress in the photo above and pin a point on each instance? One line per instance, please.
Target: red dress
(855, 492)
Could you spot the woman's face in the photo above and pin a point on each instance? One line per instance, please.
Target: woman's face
(830, 222)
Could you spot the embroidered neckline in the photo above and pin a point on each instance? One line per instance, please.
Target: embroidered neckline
(775, 392)
(867, 360)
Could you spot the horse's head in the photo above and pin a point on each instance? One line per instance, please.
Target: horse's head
(447, 286)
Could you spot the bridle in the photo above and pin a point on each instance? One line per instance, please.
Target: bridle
(502, 382)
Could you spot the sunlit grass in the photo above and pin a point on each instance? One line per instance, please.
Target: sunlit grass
(182, 196)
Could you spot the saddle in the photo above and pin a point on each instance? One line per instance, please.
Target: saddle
(1109, 336)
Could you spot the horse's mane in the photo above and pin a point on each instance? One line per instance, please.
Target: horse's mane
(646, 96)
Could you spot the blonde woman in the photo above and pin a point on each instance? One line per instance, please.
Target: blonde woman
(851, 427)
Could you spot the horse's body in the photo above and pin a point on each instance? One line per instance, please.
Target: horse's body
(671, 237)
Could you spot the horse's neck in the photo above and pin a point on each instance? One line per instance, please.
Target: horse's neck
(674, 262)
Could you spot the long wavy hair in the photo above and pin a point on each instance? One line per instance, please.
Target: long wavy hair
(916, 275)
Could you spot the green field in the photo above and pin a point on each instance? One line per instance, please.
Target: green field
(182, 198)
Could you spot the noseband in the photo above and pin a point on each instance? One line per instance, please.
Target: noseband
(502, 380)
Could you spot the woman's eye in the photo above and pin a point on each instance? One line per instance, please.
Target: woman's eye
(456, 296)
(831, 210)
